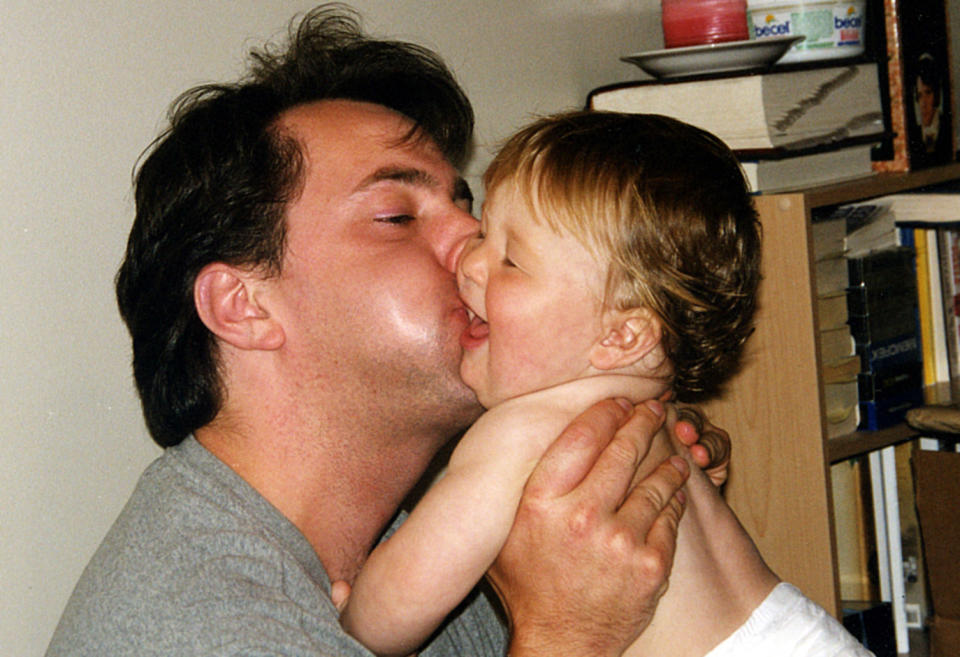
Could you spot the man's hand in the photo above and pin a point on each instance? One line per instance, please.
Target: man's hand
(708, 445)
(588, 556)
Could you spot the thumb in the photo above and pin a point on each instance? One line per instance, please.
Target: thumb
(339, 593)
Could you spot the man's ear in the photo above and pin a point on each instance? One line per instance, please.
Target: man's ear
(226, 300)
(628, 336)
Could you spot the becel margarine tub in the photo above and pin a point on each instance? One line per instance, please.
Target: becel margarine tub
(832, 30)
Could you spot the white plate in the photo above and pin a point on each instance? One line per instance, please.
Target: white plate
(713, 57)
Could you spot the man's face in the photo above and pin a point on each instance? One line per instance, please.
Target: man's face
(926, 100)
(537, 301)
(367, 292)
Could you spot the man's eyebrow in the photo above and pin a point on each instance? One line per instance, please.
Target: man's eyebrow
(404, 175)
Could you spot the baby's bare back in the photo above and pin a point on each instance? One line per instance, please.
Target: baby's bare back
(718, 576)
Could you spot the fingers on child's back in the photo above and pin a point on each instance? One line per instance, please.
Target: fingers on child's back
(569, 460)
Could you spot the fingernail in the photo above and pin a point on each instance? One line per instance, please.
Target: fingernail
(679, 463)
(655, 406)
(691, 416)
(625, 403)
(681, 496)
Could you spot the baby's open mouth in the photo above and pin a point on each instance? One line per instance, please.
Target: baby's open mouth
(477, 330)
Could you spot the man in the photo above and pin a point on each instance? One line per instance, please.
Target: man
(289, 289)
(932, 137)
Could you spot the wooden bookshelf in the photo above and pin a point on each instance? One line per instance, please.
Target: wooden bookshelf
(774, 408)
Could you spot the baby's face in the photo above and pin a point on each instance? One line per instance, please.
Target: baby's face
(535, 299)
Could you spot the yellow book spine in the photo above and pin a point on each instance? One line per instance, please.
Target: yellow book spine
(923, 307)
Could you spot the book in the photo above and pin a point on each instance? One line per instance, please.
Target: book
(851, 509)
(883, 268)
(894, 390)
(836, 228)
(832, 310)
(831, 274)
(948, 249)
(836, 344)
(798, 108)
(828, 230)
(919, 87)
(868, 329)
(888, 546)
(933, 340)
(781, 171)
(875, 230)
(882, 307)
(871, 623)
(842, 406)
(937, 205)
(839, 371)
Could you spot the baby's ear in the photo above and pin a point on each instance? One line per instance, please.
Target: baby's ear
(227, 301)
(628, 336)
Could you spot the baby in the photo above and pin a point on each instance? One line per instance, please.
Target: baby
(618, 256)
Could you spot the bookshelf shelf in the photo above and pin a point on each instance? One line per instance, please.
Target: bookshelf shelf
(880, 184)
(862, 442)
(774, 409)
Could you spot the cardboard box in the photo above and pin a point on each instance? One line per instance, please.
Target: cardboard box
(937, 479)
(944, 637)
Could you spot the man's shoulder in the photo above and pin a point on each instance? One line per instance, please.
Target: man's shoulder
(194, 561)
(198, 564)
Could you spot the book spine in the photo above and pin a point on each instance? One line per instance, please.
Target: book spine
(882, 303)
(950, 288)
(924, 315)
(937, 325)
(907, 238)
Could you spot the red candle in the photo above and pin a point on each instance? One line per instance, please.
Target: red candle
(696, 22)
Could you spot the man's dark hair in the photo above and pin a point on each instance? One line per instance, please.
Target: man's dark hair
(214, 188)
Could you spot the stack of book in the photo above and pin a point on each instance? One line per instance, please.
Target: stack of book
(790, 128)
(882, 303)
(872, 227)
(839, 364)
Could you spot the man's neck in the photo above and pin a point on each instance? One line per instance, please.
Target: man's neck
(340, 494)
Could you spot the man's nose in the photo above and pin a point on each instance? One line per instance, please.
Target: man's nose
(462, 227)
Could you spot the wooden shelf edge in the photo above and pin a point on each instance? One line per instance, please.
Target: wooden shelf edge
(861, 442)
(842, 448)
(878, 184)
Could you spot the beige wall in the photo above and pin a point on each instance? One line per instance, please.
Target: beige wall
(84, 87)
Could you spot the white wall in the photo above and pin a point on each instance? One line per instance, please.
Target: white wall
(83, 89)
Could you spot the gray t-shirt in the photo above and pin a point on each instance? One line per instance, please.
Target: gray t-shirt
(198, 563)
